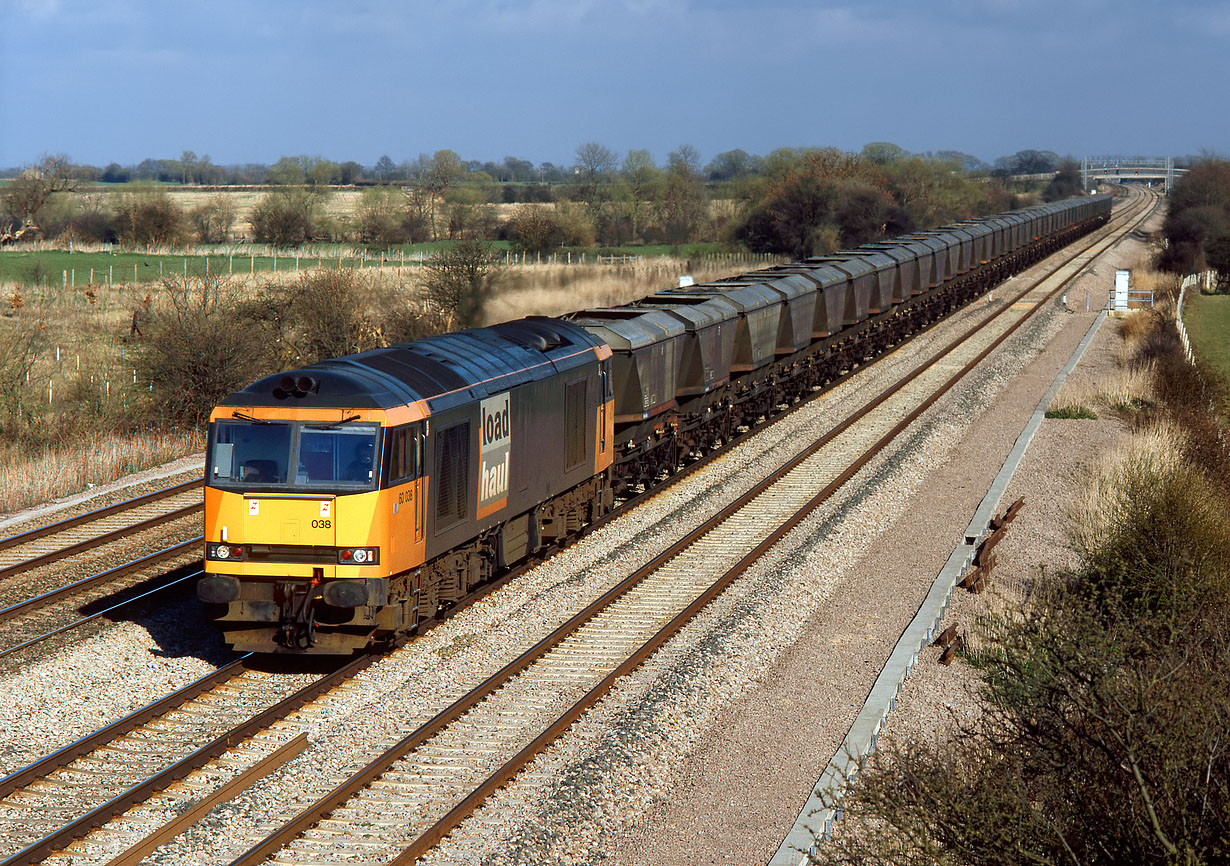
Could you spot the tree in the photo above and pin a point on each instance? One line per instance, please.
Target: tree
(436, 175)
(967, 161)
(187, 166)
(1027, 162)
(1217, 255)
(321, 172)
(32, 191)
(459, 280)
(385, 169)
(882, 152)
(1199, 212)
(213, 220)
(797, 214)
(1066, 182)
(114, 173)
(350, 172)
(535, 228)
(385, 218)
(638, 183)
(594, 168)
(683, 203)
(730, 165)
(469, 215)
(287, 171)
(285, 217)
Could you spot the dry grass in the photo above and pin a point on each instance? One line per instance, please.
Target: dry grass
(34, 479)
(554, 289)
(1137, 461)
(1125, 390)
(1075, 401)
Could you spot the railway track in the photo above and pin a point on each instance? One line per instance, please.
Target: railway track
(48, 804)
(498, 726)
(40, 601)
(57, 541)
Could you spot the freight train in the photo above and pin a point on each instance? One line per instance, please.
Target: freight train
(350, 501)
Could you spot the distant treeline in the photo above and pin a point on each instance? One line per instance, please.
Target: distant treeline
(791, 202)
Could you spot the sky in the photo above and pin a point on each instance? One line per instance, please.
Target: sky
(250, 81)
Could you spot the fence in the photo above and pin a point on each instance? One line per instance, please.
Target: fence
(1206, 279)
(272, 261)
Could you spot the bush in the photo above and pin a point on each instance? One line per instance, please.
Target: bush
(284, 218)
(458, 281)
(324, 314)
(535, 229)
(149, 219)
(1107, 694)
(205, 344)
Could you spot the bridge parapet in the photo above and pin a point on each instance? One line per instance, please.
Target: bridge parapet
(1122, 169)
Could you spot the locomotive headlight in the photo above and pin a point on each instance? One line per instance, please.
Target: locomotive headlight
(223, 552)
(358, 555)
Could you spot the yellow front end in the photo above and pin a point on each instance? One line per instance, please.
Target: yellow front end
(301, 569)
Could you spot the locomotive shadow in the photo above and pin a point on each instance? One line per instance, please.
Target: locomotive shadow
(175, 620)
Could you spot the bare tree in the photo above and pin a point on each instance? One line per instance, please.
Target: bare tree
(595, 167)
(33, 189)
(459, 280)
(638, 182)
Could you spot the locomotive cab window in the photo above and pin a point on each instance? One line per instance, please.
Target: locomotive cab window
(333, 455)
(245, 455)
(249, 453)
(404, 454)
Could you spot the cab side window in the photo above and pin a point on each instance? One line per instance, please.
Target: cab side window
(403, 455)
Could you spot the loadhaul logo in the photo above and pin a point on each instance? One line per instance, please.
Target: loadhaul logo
(494, 447)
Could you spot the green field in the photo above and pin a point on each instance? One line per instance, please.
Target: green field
(1207, 318)
(59, 268)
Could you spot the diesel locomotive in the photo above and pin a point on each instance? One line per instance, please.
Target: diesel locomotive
(349, 501)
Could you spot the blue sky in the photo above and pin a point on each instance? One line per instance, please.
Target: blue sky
(122, 80)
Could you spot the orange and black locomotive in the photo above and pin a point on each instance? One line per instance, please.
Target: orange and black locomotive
(347, 501)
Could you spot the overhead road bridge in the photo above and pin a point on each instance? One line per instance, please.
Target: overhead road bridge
(1130, 169)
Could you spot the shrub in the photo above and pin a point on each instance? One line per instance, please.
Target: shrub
(203, 345)
(285, 218)
(458, 281)
(149, 218)
(323, 314)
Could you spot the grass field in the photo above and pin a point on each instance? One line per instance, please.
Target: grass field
(1207, 318)
(57, 269)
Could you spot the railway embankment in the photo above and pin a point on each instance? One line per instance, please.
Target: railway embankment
(736, 795)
